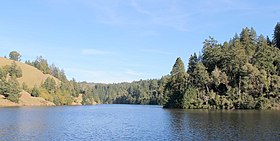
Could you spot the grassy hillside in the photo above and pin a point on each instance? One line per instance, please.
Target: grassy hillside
(49, 90)
(30, 75)
(26, 100)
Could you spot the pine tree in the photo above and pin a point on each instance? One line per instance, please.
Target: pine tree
(202, 78)
(276, 35)
(176, 86)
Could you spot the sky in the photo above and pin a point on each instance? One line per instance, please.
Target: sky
(111, 41)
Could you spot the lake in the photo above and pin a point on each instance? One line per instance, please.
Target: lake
(135, 122)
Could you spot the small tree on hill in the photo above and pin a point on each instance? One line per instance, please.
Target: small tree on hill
(35, 91)
(14, 55)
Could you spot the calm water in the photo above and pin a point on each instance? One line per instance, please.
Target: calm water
(135, 122)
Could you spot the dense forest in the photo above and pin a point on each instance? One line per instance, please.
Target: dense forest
(242, 73)
(137, 92)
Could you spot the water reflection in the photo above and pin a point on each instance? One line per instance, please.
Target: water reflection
(223, 125)
(135, 122)
(28, 123)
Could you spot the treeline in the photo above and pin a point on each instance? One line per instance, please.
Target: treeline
(42, 64)
(243, 73)
(137, 92)
(240, 74)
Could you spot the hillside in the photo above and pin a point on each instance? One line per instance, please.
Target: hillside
(42, 89)
(30, 75)
(26, 100)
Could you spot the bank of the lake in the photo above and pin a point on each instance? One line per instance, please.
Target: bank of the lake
(136, 122)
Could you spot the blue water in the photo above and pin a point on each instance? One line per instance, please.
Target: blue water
(135, 122)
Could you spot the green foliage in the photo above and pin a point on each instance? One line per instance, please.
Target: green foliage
(3, 73)
(59, 94)
(9, 86)
(137, 92)
(241, 74)
(13, 70)
(35, 92)
(176, 86)
(43, 65)
(201, 76)
(13, 90)
(49, 85)
(263, 103)
(14, 55)
(276, 36)
(10, 89)
(190, 97)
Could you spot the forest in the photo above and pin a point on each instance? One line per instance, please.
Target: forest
(242, 73)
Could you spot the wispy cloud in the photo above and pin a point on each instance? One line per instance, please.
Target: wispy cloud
(135, 13)
(181, 15)
(95, 52)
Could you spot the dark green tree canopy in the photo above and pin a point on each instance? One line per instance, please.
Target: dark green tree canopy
(175, 87)
(276, 35)
(240, 74)
(178, 67)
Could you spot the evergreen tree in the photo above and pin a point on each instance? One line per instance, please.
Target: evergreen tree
(269, 42)
(176, 86)
(202, 78)
(49, 85)
(14, 70)
(276, 36)
(193, 60)
(13, 90)
(220, 81)
(211, 54)
(247, 38)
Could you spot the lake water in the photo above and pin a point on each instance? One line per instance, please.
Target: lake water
(135, 122)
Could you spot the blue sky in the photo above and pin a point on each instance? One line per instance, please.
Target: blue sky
(124, 40)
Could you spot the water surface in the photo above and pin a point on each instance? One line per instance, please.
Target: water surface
(135, 122)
